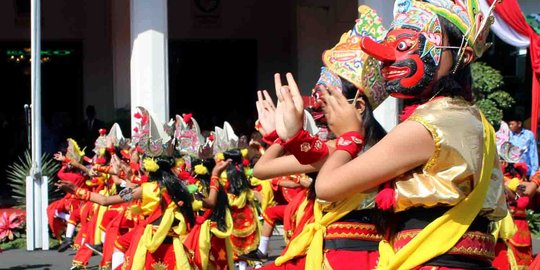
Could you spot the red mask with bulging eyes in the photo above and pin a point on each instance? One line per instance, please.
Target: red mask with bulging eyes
(407, 73)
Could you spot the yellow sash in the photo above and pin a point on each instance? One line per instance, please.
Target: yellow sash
(150, 241)
(444, 232)
(310, 240)
(267, 194)
(204, 240)
(505, 229)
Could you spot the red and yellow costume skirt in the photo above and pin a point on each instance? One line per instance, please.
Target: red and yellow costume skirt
(274, 213)
(474, 250)
(351, 245)
(245, 235)
(521, 242)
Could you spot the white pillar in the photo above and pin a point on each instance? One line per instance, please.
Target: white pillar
(149, 57)
(387, 113)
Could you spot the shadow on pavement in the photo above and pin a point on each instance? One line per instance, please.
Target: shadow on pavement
(35, 266)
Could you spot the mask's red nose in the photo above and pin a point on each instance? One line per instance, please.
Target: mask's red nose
(380, 51)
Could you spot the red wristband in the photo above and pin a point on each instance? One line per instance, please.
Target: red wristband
(536, 179)
(306, 148)
(66, 161)
(352, 142)
(270, 138)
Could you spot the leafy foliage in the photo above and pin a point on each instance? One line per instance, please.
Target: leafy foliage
(11, 226)
(534, 222)
(17, 172)
(488, 89)
(15, 244)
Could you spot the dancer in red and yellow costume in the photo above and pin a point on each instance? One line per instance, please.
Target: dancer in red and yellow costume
(119, 219)
(246, 231)
(276, 196)
(58, 212)
(440, 168)
(514, 243)
(210, 238)
(535, 178)
(166, 203)
(91, 216)
(341, 235)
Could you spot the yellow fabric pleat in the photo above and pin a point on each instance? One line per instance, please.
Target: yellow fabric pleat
(241, 200)
(267, 194)
(230, 252)
(197, 205)
(139, 259)
(100, 212)
(228, 222)
(204, 243)
(204, 240)
(505, 229)
(151, 197)
(511, 257)
(444, 232)
(182, 261)
(310, 240)
(150, 241)
(97, 232)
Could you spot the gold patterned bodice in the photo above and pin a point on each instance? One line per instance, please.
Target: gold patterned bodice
(454, 168)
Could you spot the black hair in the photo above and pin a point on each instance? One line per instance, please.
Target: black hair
(512, 170)
(107, 155)
(312, 193)
(176, 188)
(374, 132)
(63, 147)
(222, 204)
(178, 192)
(460, 82)
(235, 172)
(516, 114)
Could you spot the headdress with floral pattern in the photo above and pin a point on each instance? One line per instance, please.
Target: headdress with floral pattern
(73, 151)
(149, 134)
(467, 16)
(225, 138)
(348, 60)
(187, 135)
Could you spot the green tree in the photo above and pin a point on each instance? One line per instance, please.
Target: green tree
(488, 88)
(18, 170)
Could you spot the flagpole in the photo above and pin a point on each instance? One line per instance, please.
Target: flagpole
(37, 190)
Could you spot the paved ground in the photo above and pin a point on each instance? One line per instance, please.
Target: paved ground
(52, 260)
(18, 259)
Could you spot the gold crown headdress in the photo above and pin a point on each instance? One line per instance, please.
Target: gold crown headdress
(206, 150)
(225, 138)
(187, 135)
(150, 134)
(348, 60)
(73, 151)
(468, 17)
(101, 142)
(117, 137)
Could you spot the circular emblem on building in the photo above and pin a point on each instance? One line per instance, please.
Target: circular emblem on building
(207, 6)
